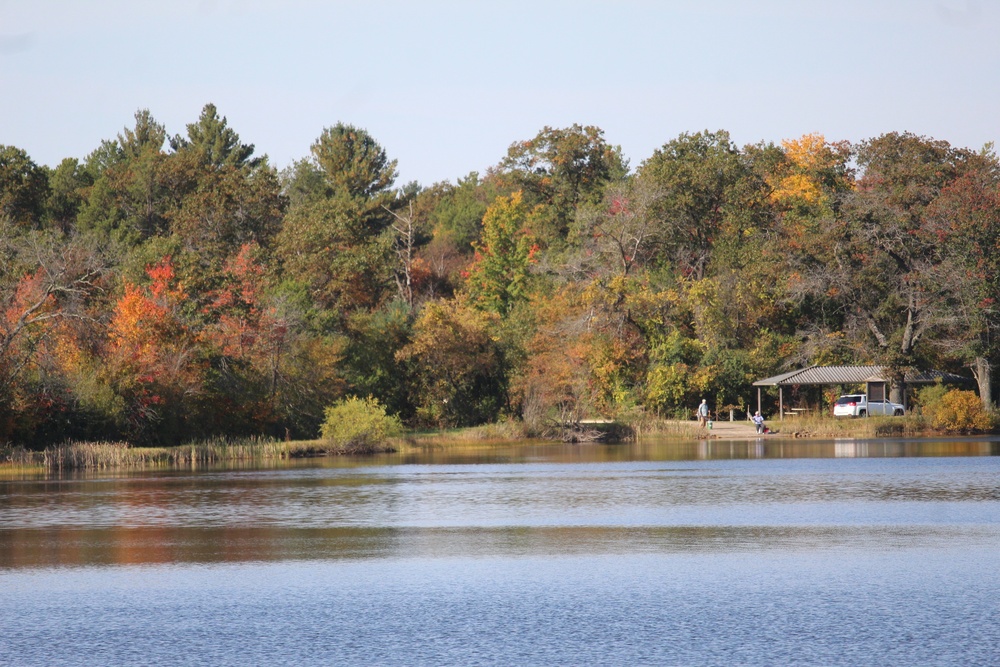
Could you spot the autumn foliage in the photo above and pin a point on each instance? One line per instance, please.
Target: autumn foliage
(152, 357)
(958, 411)
(171, 287)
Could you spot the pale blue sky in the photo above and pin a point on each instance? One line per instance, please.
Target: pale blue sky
(446, 86)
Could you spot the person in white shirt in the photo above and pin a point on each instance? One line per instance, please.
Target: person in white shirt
(703, 413)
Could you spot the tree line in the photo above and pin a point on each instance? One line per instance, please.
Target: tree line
(166, 288)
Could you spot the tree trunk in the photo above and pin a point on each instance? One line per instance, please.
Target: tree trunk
(983, 373)
(897, 385)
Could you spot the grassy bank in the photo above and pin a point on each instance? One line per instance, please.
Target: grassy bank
(512, 431)
(121, 455)
(868, 427)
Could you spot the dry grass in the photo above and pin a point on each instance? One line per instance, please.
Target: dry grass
(112, 455)
(18, 460)
(867, 427)
(666, 428)
(505, 431)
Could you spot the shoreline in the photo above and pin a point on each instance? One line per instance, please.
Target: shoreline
(122, 456)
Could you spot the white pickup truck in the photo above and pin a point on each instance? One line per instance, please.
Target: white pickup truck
(858, 405)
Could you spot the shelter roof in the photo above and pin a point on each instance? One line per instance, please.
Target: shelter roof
(853, 375)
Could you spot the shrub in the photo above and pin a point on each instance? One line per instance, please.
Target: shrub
(359, 425)
(928, 398)
(957, 410)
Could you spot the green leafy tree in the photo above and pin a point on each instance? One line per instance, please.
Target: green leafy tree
(24, 187)
(329, 250)
(222, 208)
(353, 162)
(337, 244)
(561, 169)
(714, 229)
(886, 258)
(131, 193)
(68, 183)
(223, 200)
(370, 364)
(455, 212)
(498, 276)
(675, 376)
(303, 182)
(710, 198)
(214, 142)
(200, 204)
(147, 136)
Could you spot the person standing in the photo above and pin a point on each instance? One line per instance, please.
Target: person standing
(702, 413)
(759, 421)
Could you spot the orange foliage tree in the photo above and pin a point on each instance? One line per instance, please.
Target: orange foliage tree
(246, 342)
(152, 357)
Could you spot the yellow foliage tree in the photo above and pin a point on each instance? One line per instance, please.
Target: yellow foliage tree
(812, 166)
(457, 363)
(959, 410)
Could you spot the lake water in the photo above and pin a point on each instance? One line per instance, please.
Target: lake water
(767, 552)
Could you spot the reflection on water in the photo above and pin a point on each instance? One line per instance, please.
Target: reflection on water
(703, 450)
(711, 552)
(558, 500)
(235, 545)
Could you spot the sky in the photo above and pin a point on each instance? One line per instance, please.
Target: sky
(447, 86)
